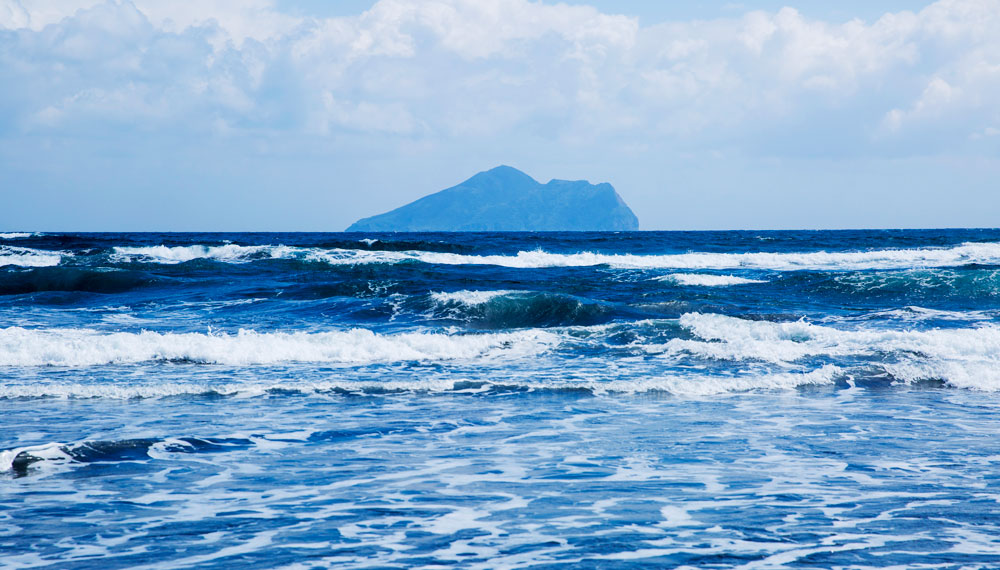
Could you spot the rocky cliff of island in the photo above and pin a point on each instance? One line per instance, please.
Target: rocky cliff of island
(506, 199)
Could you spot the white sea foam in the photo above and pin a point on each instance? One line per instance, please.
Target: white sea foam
(964, 357)
(471, 298)
(54, 456)
(705, 385)
(52, 453)
(126, 391)
(967, 253)
(692, 385)
(15, 235)
(916, 314)
(703, 280)
(982, 375)
(984, 253)
(85, 347)
(229, 253)
(27, 257)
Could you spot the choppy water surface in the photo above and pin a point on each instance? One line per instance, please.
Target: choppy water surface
(702, 400)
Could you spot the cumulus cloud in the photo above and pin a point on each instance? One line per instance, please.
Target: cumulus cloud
(448, 69)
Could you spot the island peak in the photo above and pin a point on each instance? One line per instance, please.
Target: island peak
(504, 198)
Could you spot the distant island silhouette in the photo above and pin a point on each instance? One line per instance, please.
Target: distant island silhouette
(506, 199)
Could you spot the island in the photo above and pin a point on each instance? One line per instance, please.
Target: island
(506, 199)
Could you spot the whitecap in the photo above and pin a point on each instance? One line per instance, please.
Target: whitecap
(86, 347)
(228, 253)
(966, 253)
(694, 385)
(914, 313)
(703, 280)
(53, 455)
(27, 257)
(470, 298)
(962, 357)
(709, 385)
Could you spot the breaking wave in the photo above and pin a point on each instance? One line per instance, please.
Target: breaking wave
(963, 358)
(83, 347)
(702, 280)
(52, 456)
(227, 253)
(676, 384)
(471, 298)
(964, 254)
(27, 257)
(517, 309)
(967, 357)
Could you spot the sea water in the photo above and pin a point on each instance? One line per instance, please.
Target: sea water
(589, 400)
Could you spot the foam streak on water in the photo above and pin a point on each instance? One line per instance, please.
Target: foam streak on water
(644, 400)
(962, 254)
(82, 347)
(27, 257)
(707, 280)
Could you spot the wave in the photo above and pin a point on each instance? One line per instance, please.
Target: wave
(677, 384)
(27, 257)
(17, 235)
(70, 279)
(972, 284)
(702, 280)
(964, 254)
(232, 253)
(85, 347)
(52, 456)
(470, 298)
(913, 313)
(964, 357)
(179, 254)
(517, 309)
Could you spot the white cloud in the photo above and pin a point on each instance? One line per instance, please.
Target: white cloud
(240, 19)
(13, 15)
(36, 14)
(447, 69)
(936, 99)
(479, 29)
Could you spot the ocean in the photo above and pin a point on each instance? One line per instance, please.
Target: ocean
(740, 399)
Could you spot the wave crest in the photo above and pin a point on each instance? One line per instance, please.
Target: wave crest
(27, 257)
(84, 347)
(517, 309)
(963, 254)
(227, 253)
(965, 357)
(702, 280)
(676, 384)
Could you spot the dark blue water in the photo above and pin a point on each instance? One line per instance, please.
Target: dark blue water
(671, 399)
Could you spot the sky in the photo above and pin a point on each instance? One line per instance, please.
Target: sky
(283, 115)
